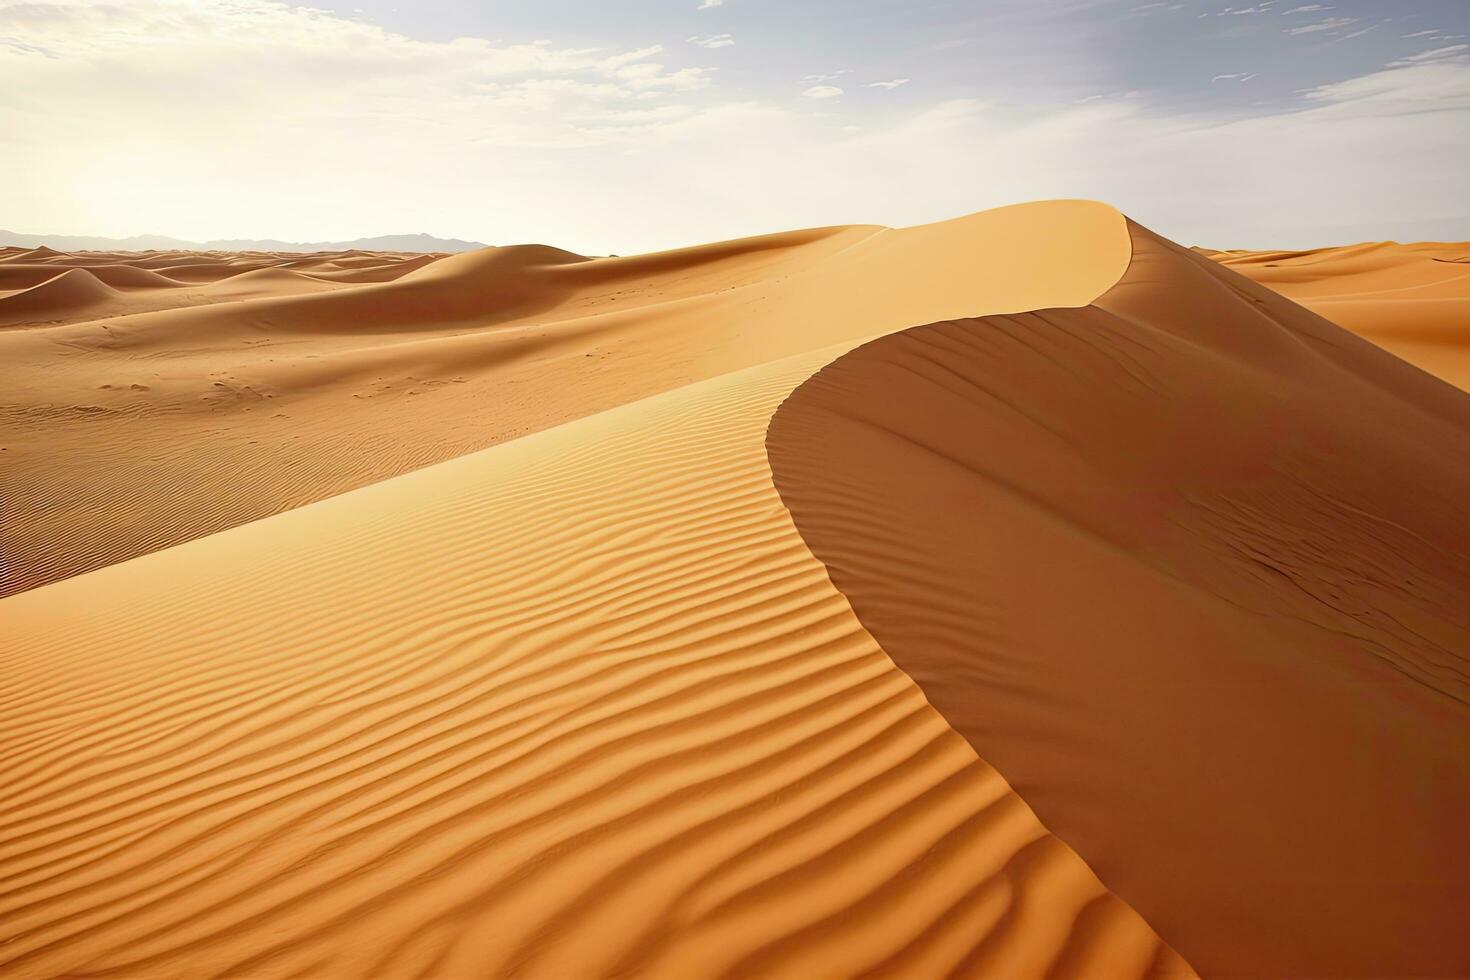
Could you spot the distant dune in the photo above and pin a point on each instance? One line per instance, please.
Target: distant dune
(1013, 596)
(138, 243)
(1413, 300)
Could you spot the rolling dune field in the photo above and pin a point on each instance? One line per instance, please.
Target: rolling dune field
(1020, 595)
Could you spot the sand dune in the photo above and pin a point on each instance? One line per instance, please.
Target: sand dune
(150, 281)
(580, 704)
(1189, 566)
(68, 292)
(1413, 300)
(134, 433)
(1143, 612)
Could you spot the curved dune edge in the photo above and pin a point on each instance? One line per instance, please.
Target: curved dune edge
(1188, 567)
(134, 433)
(581, 704)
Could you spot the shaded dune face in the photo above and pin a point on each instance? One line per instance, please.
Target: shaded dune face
(1189, 567)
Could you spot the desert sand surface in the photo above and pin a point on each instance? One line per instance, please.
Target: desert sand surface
(579, 704)
(41, 286)
(1189, 567)
(522, 613)
(1411, 299)
(288, 382)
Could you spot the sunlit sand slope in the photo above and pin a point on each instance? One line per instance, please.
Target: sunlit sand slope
(580, 704)
(126, 434)
(1190, 568)
(1413, 300)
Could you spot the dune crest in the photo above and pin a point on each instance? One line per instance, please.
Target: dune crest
(133, 433)
(1188, 566)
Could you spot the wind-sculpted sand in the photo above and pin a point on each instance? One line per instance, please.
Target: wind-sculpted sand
(577, 697)
(1189, 566)
(581, 704)
(134, 432)
(578, 705)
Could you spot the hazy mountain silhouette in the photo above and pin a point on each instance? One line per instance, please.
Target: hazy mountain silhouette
(141, 243)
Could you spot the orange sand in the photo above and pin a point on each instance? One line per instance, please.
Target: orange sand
(1189, 566)
(1413, 300)
(579, 704)
(136, 432)
(576, 698)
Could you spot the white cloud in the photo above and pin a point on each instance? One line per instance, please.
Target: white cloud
(707, 4)
(712, 40)
(891, 84)
(824, 78)
(1308, 8)
(1235, 77)
(247, 118)
(1326, 24)
(822, 92)
(1449, 53)
(1428, 33)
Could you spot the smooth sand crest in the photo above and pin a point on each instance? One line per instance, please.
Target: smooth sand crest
(1189, 567)
(1413, 300)
(580, 704)
(129, 434)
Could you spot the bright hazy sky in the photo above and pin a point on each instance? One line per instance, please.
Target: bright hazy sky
(606, 126)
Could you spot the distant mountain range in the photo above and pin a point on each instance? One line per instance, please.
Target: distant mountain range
(142, 243)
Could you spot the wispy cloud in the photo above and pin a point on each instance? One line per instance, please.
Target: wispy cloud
(1235, 77)
(1450, 52)
(707, 4)
(829, 76)
(891, 84)
(822, 92)
(1326, 24)
(712, 40)
(1309, 8)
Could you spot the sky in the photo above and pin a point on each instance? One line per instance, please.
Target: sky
(623, 127)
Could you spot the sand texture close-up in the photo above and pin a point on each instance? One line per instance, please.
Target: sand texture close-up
(1012, 596)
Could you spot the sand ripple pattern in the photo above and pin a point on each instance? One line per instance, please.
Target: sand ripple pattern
(580, 704)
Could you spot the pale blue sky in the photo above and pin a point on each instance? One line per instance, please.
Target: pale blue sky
(620, 127)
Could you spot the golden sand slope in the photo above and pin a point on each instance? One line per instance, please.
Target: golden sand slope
(123, 435)
(580, 704)
(1413, 300)
(1191, 567)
